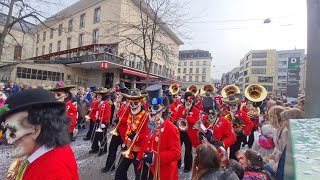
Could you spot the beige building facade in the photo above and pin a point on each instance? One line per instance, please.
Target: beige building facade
(194, 67)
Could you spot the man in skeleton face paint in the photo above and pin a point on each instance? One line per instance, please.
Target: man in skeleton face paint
(64, 93)
(242, 125)
(161, 141)
(37, 127)
(136, 123)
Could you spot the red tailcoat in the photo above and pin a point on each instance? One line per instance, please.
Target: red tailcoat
(192, 118)
(222, 131)
(72, 113)
(246, 120)
(104, 112)
(170, 150)
(58, 163)
(245, 109)
(176, 102)
(199, 106)
(94, 110)
(173, 112)
(123, 115)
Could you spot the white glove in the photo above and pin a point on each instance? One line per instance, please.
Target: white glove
(103, 126)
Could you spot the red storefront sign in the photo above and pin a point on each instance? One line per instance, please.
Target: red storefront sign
(104, 65)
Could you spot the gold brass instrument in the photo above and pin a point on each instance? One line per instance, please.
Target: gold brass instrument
(114, 131)
(182, 124)
(229, 89)
(255, 93)
(174, 89)
(13, 170)
(236, 126)
(193, 89)
(127, 153)
(207, 88)
(255, 111)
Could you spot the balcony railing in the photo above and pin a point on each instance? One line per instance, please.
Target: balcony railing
(108, 57)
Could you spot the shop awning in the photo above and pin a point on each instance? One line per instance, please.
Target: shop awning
(136, 73)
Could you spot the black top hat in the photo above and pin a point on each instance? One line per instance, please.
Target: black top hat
(233, 99)
(166, 92)
(135, 94)
(60, 86)
(187, 95)
(208, 104)
(121, 85)
(21, 100)
(154, 94)
(93, 88)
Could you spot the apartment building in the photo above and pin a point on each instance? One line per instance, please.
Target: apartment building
(258, 67)
(194, 67)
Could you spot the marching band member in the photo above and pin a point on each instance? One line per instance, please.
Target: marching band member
(38, 130)
(93, 116)
(242, 125)
(120, 125)
(63, 94)
(160, 148)
(190, 137)
(137, 123)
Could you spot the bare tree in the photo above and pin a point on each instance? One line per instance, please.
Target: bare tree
(150, 31)
(18, 12)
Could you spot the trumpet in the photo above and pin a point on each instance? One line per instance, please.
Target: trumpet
(114, 131)
(127, 153)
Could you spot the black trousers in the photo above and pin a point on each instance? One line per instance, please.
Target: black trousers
(251, 138)
(184, 139)
(121, 172)
(144, 173)
(102, 138)
(236, 146)
(116, 141)
(89, 133)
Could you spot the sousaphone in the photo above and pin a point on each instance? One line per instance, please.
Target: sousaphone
(207, 89)
(229, 89)
(255, 93)
(174, 89)
(193, 89)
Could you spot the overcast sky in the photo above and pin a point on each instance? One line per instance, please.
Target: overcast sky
(231, 28)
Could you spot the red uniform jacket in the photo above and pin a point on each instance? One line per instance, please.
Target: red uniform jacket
(176, 102)
(72, 113)
(173, 112)
(104, 112)
(246, 120)
(192, 118)
(170, 150)
(123, 115)
(245, 109)
(222, 131)
(58, 163)
(199, 106)
(94, 110)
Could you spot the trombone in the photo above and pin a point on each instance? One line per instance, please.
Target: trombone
(114, 132)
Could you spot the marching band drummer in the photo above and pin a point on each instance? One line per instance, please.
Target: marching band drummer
(189, 137)
(137, 123)
(242, 125)
(161, 143)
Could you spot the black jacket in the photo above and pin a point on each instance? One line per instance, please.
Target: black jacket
(227, 174)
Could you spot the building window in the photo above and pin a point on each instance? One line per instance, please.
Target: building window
(59, 46)
(179, 63)
(69, 43)
(245, 73)
(43, 50)
(155, 68)
(197, 79)
(50, 48)
(81, 37)
(95, 36)
(282, 77)
(185, 63)
(97, 13)
(60, 30)
(51, 33)
(204, 70)
(191, 70)
(268, 87)
(282, 70)
(70, 25)
(184, 79)
(258, 71)
(259, 63)
(197, 63)
(184, 70)
(44, 36)
(179, 70)
(160, 69)
(282, 84)
(17, 53)
(37, 52)
(203, 78)
(247, 65)
(132, 58)
(82, 20)
(282, 63)
(27, 73)
(248, 57)
(262, 79)
(190, 78)
(246, 80)
(260, 55)
(197, 70)
(204, 63)
(38, 38)
(191, 63)
(178, 78)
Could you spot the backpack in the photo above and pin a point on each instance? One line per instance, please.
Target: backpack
(266, 142)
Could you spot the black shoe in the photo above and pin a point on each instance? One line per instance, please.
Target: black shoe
(101, 153)
(93, 152)
(186, 170)
(79, 126)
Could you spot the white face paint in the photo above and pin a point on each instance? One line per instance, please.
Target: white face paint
(249, 105)
(20, 134)
(60, 96)
(188, 104)
(233, 108)
(135, 107)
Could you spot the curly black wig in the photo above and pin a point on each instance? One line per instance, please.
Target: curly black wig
(54, 124)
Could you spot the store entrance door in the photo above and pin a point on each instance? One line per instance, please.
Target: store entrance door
(109, 80)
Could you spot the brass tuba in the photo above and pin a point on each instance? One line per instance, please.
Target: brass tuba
(237, 127)
(182, 124)
(174, 89)
(193, 89)
(229, 89)
(255, 93)
(207, 88)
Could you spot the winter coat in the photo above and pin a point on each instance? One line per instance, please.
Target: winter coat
(255, 173)
(280, 140)
(227, 174)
